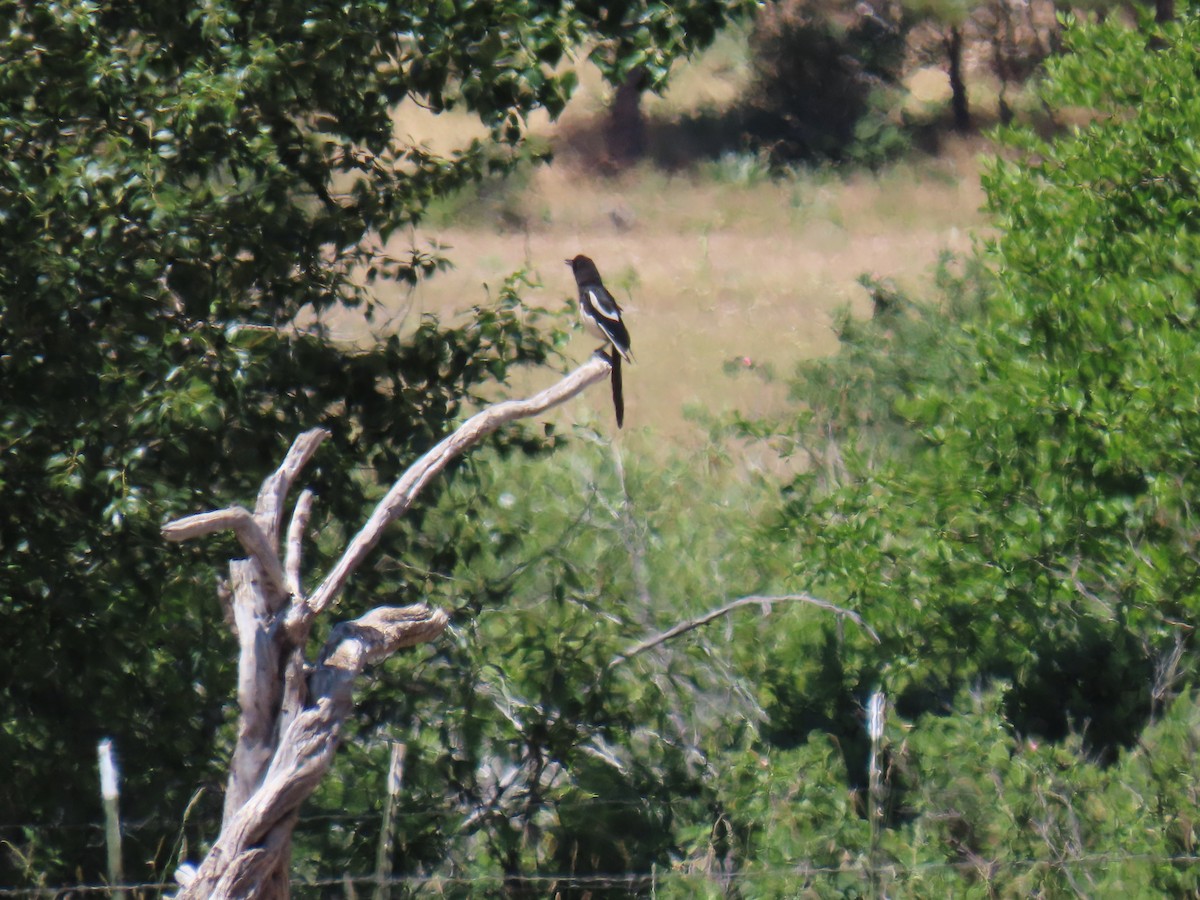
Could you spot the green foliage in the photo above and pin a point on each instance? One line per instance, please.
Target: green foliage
(789, 812)
(1024, 598)
(1001, 484)
(497, 200)
(181, 185)
(536, 752)
(852, 398)
(1032, 528)
(1013, 815)
(650, 37)
(1002, 487)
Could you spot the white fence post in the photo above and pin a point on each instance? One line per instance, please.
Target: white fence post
(110, 794)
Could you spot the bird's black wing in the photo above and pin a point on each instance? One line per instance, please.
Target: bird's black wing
(603, 302)
(608, 317)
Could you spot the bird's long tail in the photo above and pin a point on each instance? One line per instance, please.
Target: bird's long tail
(618, 394)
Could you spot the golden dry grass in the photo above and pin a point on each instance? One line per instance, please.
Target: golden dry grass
(709, 272)
(709, 269)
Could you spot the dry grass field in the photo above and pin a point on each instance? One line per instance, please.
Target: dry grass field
(714, 264)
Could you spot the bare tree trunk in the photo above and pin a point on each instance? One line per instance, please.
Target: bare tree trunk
(958, 87)
(626, 135)
(291, 711)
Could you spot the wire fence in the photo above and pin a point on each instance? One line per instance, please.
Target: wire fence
(875, 870)
(641, 882)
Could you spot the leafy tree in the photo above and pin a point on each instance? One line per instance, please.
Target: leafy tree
(1001, 486)
(994, 811)
(541, 752)
(1034, 527)
(183, 185)
(643, 41)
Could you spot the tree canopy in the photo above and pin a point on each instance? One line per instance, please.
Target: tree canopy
(1012, 483)
(1041, 516)
(185, 189)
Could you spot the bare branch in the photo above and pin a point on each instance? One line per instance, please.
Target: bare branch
(373, 637)
(410, 484)
(765, 602)
(249, 535)
(268, 510)
(295, 542)
(204, 523)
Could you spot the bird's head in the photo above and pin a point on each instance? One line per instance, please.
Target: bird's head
(585, 270)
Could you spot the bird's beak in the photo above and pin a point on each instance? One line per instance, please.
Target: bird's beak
(567, 261)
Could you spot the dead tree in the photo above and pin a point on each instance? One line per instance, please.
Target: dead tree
(291, 709)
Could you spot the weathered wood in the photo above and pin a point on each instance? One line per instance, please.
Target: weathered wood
(295, 543)
(254, 843)
(290, 712)
(244, 526)
(259, 686)
(269, 508)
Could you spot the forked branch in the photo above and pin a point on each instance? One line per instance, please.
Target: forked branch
(290, 710)
(238, 520)
(268, 510)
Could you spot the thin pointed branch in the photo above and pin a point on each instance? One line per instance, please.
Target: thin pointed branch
(295, 542)
(249, 535)
(405, 490)
(268, 510)
(766, 602)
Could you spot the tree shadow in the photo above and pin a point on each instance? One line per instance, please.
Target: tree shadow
(862, 134)
(1098, 684)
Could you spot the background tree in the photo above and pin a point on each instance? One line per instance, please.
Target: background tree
(952, 20)
(639, 44)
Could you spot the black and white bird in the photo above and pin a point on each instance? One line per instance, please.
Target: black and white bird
(601, 316)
